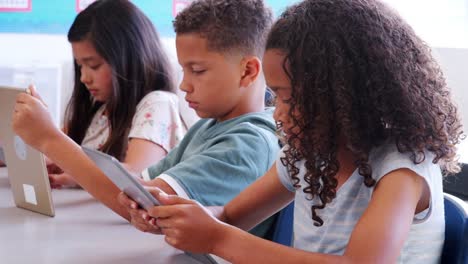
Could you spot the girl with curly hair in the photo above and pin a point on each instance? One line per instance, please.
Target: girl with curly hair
(369, 131)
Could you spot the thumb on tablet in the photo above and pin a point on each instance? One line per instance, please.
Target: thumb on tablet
(166, 199)
(33, 91)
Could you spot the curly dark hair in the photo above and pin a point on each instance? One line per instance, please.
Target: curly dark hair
(359, 71)
(228, 25)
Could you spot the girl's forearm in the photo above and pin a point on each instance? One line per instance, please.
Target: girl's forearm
(72, 160)
(238, 246)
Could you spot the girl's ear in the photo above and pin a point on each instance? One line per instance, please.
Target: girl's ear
(251, 67)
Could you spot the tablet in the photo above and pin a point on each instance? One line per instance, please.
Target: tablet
(122, 178)
(26, 166)
(130, 186)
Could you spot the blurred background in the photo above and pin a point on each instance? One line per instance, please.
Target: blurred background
(34, 48)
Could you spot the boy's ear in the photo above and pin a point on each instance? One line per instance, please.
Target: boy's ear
(251, 69)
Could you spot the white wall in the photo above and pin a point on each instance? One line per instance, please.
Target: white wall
(454, 63)
(42, 59)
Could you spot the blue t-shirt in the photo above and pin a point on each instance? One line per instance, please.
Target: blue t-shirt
(215, 161)
(426, 236)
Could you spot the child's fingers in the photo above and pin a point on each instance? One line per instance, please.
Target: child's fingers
(126, 201)
(142, 227)
(21, 107)
(139, 219)
(52, 178)
(22, 98)
(164, 223)
(166, 199)
(138, 215)
(155, 191)
(33, 91)
(166, 211)
(53, 169)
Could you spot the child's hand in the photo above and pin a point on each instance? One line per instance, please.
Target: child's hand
(138, 217)
(62, 180)
(186, 224)
(31, 120)
(52, 168)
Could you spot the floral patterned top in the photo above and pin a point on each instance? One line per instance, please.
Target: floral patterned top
(156, 119)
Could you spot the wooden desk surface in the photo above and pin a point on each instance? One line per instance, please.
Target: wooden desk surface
(83, 231)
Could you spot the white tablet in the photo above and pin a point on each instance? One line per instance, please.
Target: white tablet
(130, 186)
(122, 178)
(26, 166)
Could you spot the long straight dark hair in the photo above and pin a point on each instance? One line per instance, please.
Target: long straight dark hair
(129, 43)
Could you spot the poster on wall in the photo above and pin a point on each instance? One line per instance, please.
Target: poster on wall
(82, 4)
(15, 5)
(179, 5)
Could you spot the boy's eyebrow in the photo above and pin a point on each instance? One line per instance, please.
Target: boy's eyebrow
(191, 63)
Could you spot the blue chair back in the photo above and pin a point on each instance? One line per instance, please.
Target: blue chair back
(456, 231)
(283, 228)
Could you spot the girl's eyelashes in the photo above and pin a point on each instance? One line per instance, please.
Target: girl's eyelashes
(95, 67)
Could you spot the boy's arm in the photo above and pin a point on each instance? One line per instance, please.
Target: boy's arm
(260, 200)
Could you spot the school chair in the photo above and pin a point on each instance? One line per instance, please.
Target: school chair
(283, 228)
(455, 249)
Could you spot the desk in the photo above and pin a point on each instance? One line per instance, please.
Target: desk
(82, 231)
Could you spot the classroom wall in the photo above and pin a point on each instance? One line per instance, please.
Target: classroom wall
(454, 63)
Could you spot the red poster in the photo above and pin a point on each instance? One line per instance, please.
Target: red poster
(82, 4)
(15, 5)
(178, 5)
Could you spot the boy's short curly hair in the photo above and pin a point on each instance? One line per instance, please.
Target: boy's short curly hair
(239, 26)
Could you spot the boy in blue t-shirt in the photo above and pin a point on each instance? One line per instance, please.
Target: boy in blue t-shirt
(219, 45)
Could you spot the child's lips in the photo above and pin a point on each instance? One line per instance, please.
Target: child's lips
(192, 104)
(93, 91)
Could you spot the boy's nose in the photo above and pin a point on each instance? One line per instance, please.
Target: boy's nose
(185, 86)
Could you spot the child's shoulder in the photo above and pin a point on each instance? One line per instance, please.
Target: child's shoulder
(159, 96)
(260, 124)
(253, 128)
(387, 158)
(263, 119)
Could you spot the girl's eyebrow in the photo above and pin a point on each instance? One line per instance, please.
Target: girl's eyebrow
(86, 59)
